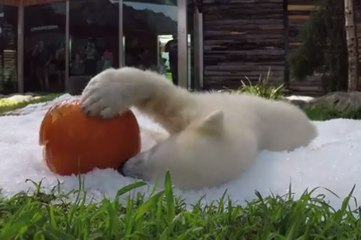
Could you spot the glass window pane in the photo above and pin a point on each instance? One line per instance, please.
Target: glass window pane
(44, 52)
(150, 36)
(8, 49)
(94, 28)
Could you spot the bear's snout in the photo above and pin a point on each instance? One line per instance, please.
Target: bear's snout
(134, 167)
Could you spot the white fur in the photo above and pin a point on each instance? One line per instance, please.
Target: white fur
(213, 138)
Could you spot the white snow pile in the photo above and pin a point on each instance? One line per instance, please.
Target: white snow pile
(332, 161)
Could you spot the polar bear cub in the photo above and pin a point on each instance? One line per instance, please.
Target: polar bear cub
(213, 137)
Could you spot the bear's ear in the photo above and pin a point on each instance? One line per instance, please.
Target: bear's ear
(212, 123)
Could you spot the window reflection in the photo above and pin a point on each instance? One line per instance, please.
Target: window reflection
(149, 41)
(94, 36)
(8, 49)
(150, 31)
(44, 47)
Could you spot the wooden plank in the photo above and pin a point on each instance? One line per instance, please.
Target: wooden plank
(242, 38)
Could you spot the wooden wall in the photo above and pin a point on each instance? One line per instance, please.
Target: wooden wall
(298, 14)
(242, 38)
(357, 6)
(247, 37)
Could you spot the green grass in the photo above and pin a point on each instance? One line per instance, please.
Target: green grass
(169, 76)
(7, 105)
(262, 88)
(322, 114)
(163, 216)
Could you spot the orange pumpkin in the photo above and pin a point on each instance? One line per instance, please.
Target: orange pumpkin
(75, 143)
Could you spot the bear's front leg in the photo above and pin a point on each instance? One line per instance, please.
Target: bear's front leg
(112, 92)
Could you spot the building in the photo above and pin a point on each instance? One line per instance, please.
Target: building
(57, 45)
(218, 43)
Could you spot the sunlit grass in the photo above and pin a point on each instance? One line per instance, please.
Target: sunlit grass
(7, 105)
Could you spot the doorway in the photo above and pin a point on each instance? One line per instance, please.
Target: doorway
(150, 32)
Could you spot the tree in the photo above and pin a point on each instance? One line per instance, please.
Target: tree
(351, 41)
(323, 50)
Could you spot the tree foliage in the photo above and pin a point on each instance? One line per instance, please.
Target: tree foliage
(323, 48)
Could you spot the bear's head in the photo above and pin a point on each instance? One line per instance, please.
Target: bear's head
(192, 156)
